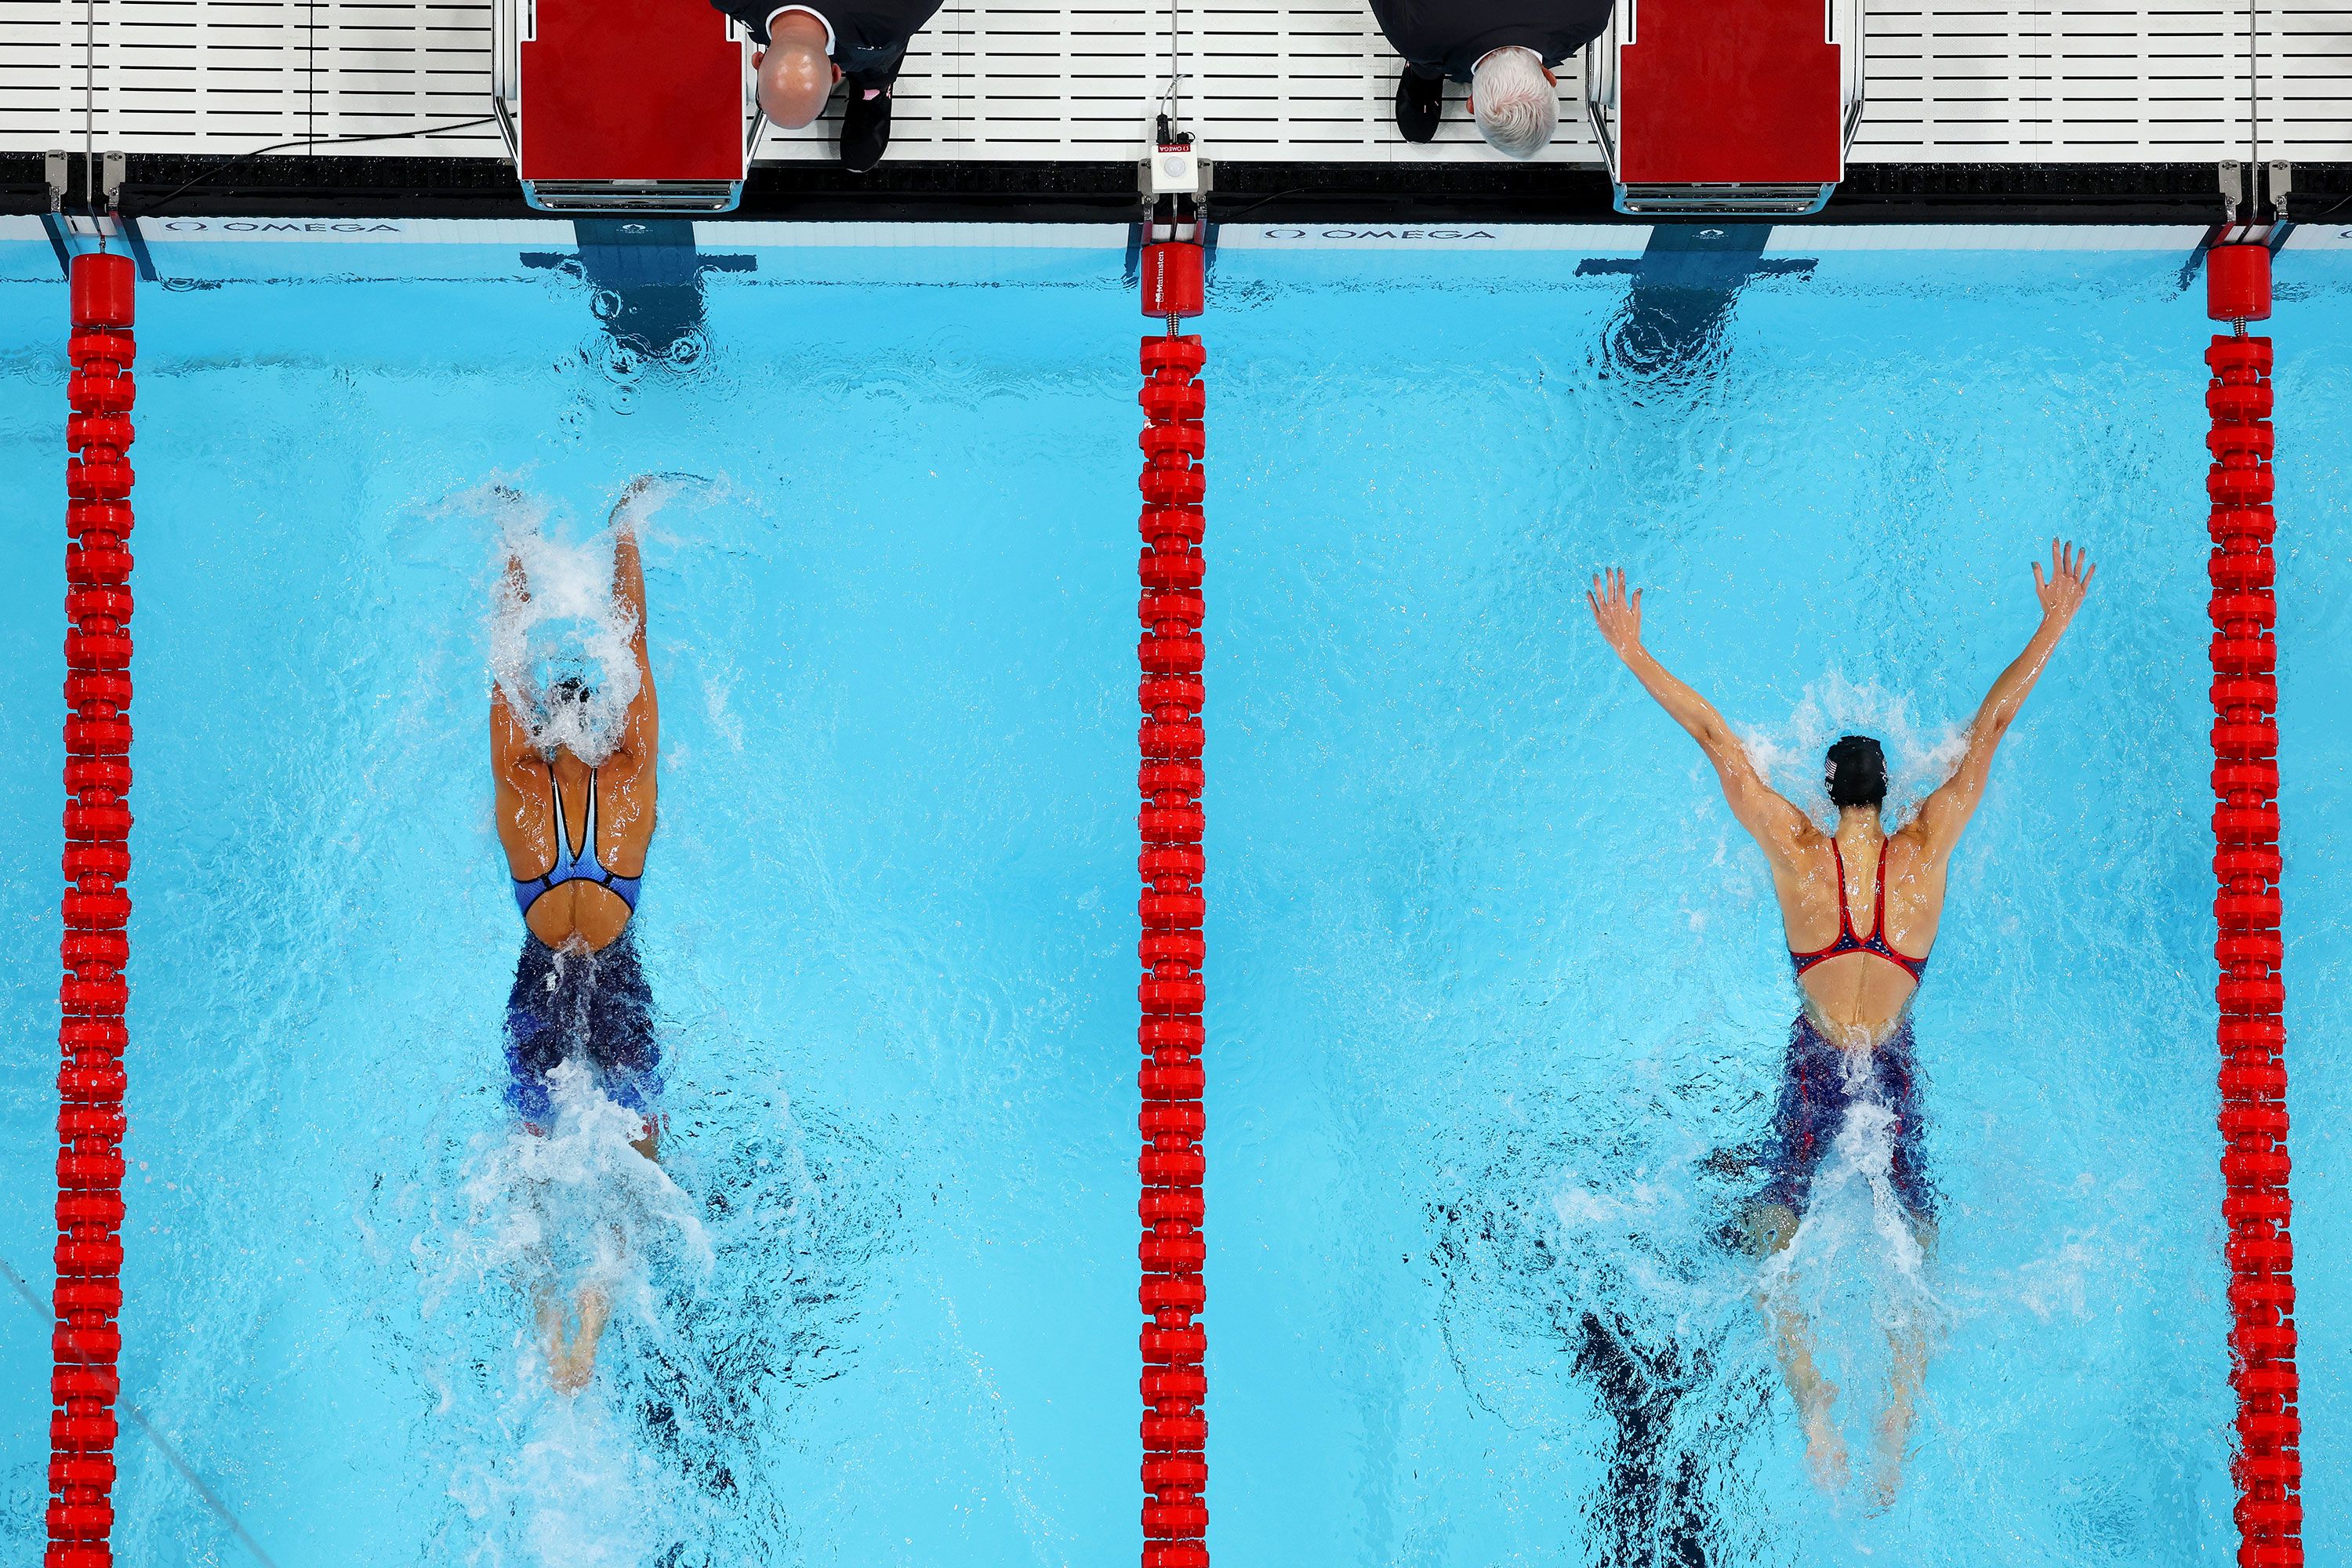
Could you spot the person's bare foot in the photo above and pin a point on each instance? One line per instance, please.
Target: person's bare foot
(572, 1369)
(570, 1358)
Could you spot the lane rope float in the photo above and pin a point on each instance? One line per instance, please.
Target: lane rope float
(2251, 991)
(92, 996)
(1173, 990)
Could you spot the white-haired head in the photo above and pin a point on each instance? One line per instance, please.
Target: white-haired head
(1514, 101)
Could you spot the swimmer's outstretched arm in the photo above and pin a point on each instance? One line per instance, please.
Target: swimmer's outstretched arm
(510, 739)
(1769, 817)
(642, 735)
(1944, 813)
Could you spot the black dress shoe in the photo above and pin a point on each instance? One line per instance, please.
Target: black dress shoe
(1420, 100)
(864, 129)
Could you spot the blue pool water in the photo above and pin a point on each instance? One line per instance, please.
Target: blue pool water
(1497, 1000)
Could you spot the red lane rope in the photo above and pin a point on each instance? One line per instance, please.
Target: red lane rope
(1175, 1430)
(2252, 1031)
(91, 996)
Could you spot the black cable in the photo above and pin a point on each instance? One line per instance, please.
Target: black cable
(157, 204)
(2323, 216)
(1253, 206)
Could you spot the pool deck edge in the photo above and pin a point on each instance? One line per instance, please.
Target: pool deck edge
(983, 191)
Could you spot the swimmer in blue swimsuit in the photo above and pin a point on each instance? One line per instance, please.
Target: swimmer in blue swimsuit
(1851, 1045)
(569, 824)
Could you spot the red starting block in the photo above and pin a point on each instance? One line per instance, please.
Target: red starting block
(625, 105)
(1720, 108)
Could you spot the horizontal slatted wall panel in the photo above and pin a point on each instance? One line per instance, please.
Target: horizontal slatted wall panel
(2100, 81)
(156, 88)
(2307, 90)
(404, 65)
(1308, 81)
(1015, 79)
(1315, 81)
(1030, 79)
(40, 62)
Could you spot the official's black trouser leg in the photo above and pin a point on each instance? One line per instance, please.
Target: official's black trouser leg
(865, 121)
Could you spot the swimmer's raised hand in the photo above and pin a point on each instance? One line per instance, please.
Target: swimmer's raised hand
(2070, 578)
(1618, 615)
(628, 511)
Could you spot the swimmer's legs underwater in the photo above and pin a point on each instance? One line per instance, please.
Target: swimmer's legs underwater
(1907, 1346)
(1770, 1228)
(593, 1007)
(1821, 1085)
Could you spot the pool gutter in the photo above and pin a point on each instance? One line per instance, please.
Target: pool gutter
(1093, 192)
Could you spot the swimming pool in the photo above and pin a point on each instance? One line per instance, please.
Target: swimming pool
(1496, 1000)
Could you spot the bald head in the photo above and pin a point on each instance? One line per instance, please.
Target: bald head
(795, 74)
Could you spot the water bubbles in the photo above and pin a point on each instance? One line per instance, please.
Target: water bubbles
(621, 361)
(579, 1201)
(563, 1478)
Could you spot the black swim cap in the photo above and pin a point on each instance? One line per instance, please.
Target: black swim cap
(1855, 772)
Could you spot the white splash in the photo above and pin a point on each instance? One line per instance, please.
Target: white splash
(580, 1201)
(1919, 757)
(576, 1207)
(554, 618)
(1856, 1272)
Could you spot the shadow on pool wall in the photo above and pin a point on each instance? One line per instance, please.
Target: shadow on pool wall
(1683, 288)
(1497, 1004)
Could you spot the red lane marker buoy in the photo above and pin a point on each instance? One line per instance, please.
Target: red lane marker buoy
(93, 992)
(1172, 990)
(1174, 280)
(2246, 910)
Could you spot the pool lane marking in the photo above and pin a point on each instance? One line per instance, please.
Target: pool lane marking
(163, 1444)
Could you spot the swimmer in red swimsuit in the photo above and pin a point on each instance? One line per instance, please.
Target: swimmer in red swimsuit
(1852, 1040)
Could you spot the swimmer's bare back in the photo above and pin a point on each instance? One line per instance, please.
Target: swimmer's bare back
(581, 910)
(1856, 996)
